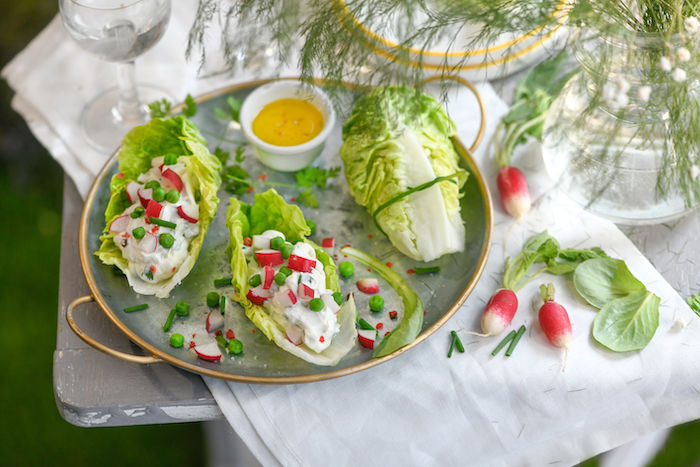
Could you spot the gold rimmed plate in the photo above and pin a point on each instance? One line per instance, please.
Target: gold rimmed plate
(338, 216)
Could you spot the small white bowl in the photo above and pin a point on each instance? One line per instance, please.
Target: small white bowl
(286, 158)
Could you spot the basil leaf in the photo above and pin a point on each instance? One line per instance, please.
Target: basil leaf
(599, 281)
(627, 323)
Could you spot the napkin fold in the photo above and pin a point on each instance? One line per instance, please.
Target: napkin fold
(423, 408)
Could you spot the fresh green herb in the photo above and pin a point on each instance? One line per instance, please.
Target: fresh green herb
(516, 339)
(166, 240)
(376, 303)
(346, 269)
(506, 340)
(694, 303)
(223, 282)
(306, 197)
(316, 176)
(235, 346)
(222, 305)
(221, 340)
(255, 280)
(365, 325)
(162, 223)
(236, 179)
(190, 108)
(458, 343)
(426, 270)
(221, 155)
(169, 321)
(138, 212)
(138, 233)
(159, 109)
(452, 346)
(600, 281)
(412, 323)
(182, 308)
(136, 308)
(316, 304)
(173, 196)
(149, 274)
(212, 299)
(177, 340)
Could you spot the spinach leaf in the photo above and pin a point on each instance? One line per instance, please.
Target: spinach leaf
(601, 280)
(627, 323)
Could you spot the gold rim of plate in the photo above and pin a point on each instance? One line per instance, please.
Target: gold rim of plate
(99, 298)
(558, 12)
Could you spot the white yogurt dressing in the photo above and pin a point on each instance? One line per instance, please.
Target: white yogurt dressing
(318, 327)
(162, 263)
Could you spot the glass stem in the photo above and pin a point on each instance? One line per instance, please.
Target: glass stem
(129, 108)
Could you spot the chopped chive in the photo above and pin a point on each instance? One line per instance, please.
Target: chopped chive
(458, 343)
(426, 270)
(135, 308)
(222, 307)
(222, 282)
(169, 321)
(452, 346)
(162, 223)
(503, 343)
(517, 337)
(221, 340)
(365, 325)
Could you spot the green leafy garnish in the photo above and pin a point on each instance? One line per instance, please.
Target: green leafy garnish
(316, 176)
(234, 109)
(236, 179)
(159, 109)
(600, 281)
(190, 108)
(694, 303)
(307, 198)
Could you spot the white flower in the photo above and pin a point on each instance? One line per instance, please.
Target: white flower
(622, 100)
(678, 75)
(694, 172)
(609, 92)
(622, 85)
(665, 64)
(643, 93)
(683, 54)
(692, 25)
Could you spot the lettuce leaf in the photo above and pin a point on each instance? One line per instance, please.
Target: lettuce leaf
(397, 138)
(175, 135)
(270, 211)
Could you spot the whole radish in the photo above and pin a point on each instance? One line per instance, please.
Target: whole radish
(554, 321)
(515, 195)
(499, 312)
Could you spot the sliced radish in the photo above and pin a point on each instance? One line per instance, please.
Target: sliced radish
(269, 257)
(368, 286)
(367, 337)
(295, 335)
(148, 243)
(209, 352)
(330, 302)
(158, 161)
(172, 180)
(132, 191)
(328, 245)
(153, 209)
(189, 212)
(298, 263)
(305, 292)
(268, 275)
(260, 242)
(258, 295)
(145, 195)
(286, 298)
(215, 320)
(119, 224)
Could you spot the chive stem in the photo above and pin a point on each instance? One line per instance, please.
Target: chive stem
(458, 343)
(221, 340)
(135, 308)
(426, 270)
(365, 325)
(222, 306)
(169, 321)
(503, 343)
(452, 346)
(517, 337)
(162, 223)
(223, 282)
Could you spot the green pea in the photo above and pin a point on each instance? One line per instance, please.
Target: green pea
(316, 304)
(173, 196)
(166, 240)
(159, 194)
(286, 250)
(138, 212)
(182, 308)
(280, 278)
(312, 226)
(276, 243)
(177, 340)
(235, 346)
(346, 268)
(376, 303)
(255, 280)
(138, 232)
(286, 271)
(152, 184)
(170, 159)
(212, 299)
(338, 297)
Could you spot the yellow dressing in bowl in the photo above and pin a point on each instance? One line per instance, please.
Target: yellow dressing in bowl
(288, 122)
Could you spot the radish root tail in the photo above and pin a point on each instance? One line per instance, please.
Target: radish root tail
(566, 358)
(505, 242)
(459, 323)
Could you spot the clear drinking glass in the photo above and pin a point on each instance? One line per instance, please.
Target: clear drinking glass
(116, 31)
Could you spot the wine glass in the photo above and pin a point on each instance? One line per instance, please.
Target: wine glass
(116, 31)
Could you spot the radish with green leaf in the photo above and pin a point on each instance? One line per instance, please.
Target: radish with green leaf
(554, 321)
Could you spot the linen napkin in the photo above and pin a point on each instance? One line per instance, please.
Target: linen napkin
(422, 408)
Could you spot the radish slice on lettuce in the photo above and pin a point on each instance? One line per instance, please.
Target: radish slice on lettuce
(140, 147)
